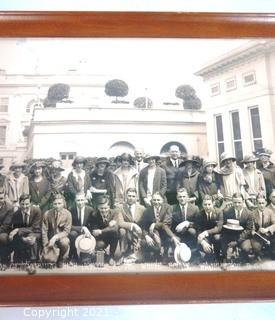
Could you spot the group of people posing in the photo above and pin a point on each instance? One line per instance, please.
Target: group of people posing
(139, 210)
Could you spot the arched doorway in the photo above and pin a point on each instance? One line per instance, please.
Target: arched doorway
(165, 149)
(121, 147)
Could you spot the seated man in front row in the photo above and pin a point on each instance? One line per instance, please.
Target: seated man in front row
(131, 213)
(263, 239)
(56, 226)
(209, 226)
(156, 223)
(243, 244)
(26, 234)
(184, 220)
(81, 219)
(104, 227)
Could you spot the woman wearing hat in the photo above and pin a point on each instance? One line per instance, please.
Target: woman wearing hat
(78, 181)
(102, 181)
(231, 177)
(57, 181)
(208, 182)
(188, 176)
(126, 176)
(39, 186)
(253, 177)
(16, 184)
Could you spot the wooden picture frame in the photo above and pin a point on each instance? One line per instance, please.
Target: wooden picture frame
(136, 288)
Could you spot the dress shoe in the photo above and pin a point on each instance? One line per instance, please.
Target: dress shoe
(59, 264)
(31, 269)
(111, 262)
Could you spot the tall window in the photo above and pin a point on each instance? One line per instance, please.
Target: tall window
(256, 128)
(4, 104)
(219, 135)
(237, 138)
(2, 135)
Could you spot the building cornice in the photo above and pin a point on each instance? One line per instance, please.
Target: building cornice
(236, 57)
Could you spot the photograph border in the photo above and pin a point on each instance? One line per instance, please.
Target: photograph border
(114, 289)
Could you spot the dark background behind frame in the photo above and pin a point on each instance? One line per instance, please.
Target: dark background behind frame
(136, 288)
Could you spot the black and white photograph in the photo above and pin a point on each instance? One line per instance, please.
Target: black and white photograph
(136, 155)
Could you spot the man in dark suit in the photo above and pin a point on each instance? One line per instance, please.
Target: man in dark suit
(129, 226)
(81, 219)
(56, 226)
(26, 234)
(264, 228)
(238, 212)
(152, 179)
(104, 227)
(209, 226)
(156, 225)
(271, 206)
(6, 214)
(184, 219)
(171, 167)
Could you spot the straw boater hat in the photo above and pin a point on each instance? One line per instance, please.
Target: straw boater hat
(227, 156)
(102, 160)
(182, 253)
(151, 156)
(17, 165)
(248, 159)
(232, 224)
(84, 244)
(79, 159)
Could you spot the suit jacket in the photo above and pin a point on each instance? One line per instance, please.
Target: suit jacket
(97, 222)
(213, 225)
(6, 214)
(171, 174)
(59, 227)
(159, 182)
(34, 225)
(246, 221)
(271, 207)
(76, 223)
(191, 215)
(165, 219)
(10, 187)
(268, 220)
(126, 218)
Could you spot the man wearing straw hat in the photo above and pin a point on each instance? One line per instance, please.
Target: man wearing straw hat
(240, 213)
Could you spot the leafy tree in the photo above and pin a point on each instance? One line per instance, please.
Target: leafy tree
(143, 102)
(188, 96)
(57, 92)
(116, 88)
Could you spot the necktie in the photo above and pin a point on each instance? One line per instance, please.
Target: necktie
(138, 166)
(157, 214)
(262, 219)
(238, 215)
(184, 212)
(26, 222)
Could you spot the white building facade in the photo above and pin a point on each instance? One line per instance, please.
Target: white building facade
(240, 110)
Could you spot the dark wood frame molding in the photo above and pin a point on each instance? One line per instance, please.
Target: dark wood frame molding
(136, 288)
